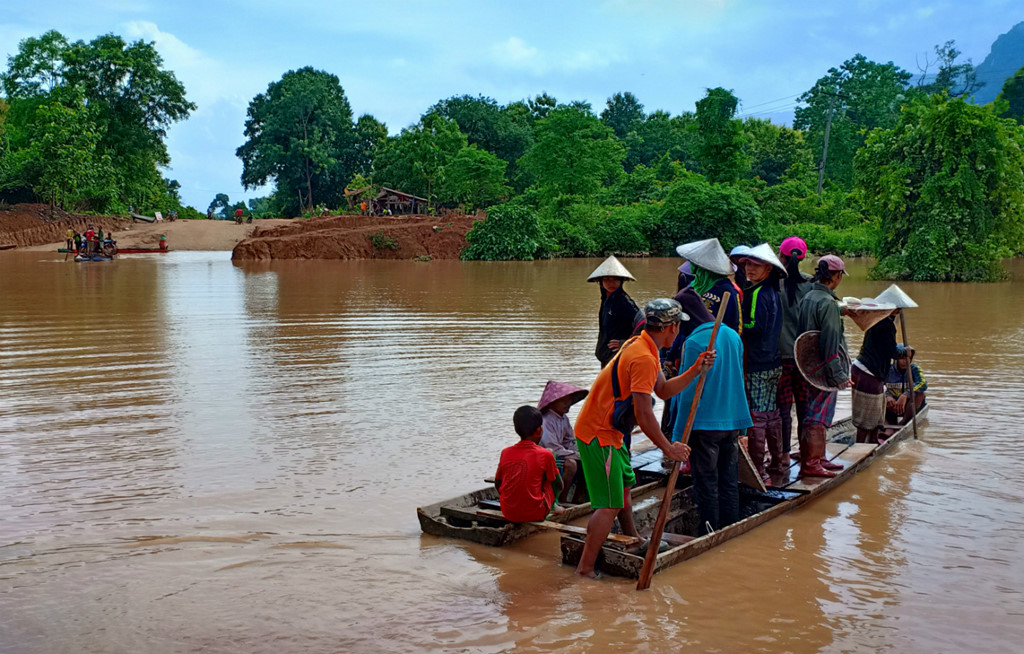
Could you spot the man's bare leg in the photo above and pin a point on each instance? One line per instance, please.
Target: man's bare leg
(626, 515)
(598, 528)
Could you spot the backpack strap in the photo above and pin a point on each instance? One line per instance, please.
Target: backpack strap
(616, 389)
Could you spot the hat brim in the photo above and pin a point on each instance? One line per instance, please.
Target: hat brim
(574, 397)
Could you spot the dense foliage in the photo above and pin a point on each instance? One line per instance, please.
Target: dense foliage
(84, 124)
(914, 174)
(948, 184)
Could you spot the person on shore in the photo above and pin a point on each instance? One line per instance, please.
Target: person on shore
(558, 433)
(606, 463)
(868, 374)
(792, 392)
(762, 331)
(711, 268)
(897, 403)
(527, 478)
(618, 311)
(722, 416)
(819, 310)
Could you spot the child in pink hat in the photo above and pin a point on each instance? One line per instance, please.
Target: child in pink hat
(558, 432)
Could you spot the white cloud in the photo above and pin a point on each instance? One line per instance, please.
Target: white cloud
(516, 54)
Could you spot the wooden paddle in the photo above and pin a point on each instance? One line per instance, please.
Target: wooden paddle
(910, 375)
(644, 582)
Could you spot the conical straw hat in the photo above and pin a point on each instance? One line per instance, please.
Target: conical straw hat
(807, 353)
(868, 312)
(895, 296)
(707, 254)
(763, 252)
(610, 267)
(555, 391)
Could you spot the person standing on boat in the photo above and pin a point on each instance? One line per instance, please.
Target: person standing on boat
(792, 390)
(710, 267)
(618, 311)
(606, 462)
(69, 243)
(762, 329)
(722, 415)
(868, 374)
(90, 239)
(819, 310)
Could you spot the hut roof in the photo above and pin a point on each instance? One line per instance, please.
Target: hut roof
(401, 194)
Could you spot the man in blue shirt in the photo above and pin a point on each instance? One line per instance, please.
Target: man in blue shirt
(722, 415)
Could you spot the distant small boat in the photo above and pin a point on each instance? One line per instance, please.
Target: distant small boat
(130, 250)
(81, 258)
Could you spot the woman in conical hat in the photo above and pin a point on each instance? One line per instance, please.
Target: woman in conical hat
(762, 328)
(558, 433)
(618, 311)
(711, 269)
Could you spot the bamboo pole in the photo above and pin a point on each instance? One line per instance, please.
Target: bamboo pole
(910, 375)
(644, 582)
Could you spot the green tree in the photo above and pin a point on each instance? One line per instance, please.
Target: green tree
(947, 183)
(414, 160)
(862, 95)
(502, 131)
(131, 98)
(953, 79)
(695, 209)
(573, 153)
(661, 134)
(541, 105)
(299, 135)
(623, 112)
(219, 205)
(1010, 101)
(370, 135)
(474, 176)
(63, 142)
(773, 149)
(721, 137)
(510, 232)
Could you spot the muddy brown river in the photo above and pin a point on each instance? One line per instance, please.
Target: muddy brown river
(197, 456)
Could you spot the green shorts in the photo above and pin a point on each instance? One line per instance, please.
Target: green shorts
(607, 472)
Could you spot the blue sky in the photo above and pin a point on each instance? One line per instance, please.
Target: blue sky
(395, 59)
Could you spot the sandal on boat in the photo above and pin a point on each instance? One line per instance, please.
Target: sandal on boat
(639, 548)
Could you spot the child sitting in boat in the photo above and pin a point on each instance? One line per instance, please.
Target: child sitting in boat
(897, 406)
(527, 477)
(558, 433)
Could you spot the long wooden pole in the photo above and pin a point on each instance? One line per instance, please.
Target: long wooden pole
(910, 375)
(644, 582)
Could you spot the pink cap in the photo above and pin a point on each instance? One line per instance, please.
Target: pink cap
(794, 243)
(834, 263)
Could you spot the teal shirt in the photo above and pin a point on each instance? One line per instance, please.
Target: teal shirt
(723, 405)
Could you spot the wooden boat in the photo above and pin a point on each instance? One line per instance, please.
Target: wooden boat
(786, 493)
(459, 516)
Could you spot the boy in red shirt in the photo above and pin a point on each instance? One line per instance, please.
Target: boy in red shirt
(527, 478)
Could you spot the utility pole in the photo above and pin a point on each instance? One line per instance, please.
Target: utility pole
(824, 149)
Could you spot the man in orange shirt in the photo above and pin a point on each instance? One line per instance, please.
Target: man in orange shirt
(606, 465)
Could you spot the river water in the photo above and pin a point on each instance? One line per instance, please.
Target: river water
(199, 456)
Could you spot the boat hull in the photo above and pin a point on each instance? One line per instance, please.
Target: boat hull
(792, 494)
